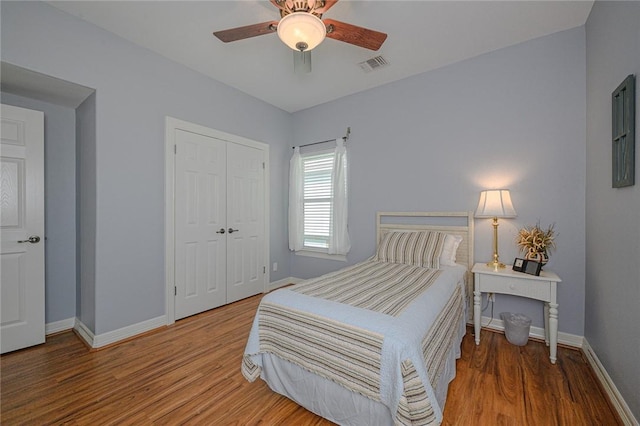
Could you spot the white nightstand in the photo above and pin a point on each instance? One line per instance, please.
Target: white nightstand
(507, 281)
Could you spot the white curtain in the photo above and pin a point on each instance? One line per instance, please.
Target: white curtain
(339, 242)
(296, 199)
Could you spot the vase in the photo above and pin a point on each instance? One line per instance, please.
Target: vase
(537, 256)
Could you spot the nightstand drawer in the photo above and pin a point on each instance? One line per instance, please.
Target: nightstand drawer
(540, 290)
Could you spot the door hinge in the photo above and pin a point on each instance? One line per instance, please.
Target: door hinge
(263, 165)
(175, 149)
(264, 269)
(175, 290)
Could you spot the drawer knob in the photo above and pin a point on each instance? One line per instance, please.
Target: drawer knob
(512, 286)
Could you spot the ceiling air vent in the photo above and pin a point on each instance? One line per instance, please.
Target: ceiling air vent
(373, 64)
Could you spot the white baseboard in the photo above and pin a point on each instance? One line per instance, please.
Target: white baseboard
(283, 282)
(84, 332)
(536, 332)
(610, 388)
(104, 339)
(58, 326)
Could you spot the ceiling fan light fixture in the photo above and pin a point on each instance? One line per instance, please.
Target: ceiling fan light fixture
(301, 31)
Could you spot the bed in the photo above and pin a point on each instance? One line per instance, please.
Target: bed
(374, 343)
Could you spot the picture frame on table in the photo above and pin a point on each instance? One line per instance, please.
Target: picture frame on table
(518, 264)
(526, 266)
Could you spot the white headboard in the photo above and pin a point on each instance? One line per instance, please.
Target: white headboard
(457, 223)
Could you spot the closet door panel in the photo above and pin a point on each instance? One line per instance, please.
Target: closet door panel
(245, 216)
(200, 214)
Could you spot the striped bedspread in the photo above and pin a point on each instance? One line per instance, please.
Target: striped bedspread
(378, 286)
(382, 330)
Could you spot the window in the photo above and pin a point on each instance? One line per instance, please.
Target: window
(318, 211)
(317, 199)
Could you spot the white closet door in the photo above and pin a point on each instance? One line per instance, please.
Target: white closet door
(200, 219)
(245, 218)
(22, 220)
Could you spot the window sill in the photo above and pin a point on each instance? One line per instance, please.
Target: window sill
(321, 255)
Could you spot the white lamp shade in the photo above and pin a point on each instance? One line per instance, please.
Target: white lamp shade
(301, 27)
(495, 203)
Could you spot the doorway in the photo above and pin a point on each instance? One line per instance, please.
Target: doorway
(60, 101)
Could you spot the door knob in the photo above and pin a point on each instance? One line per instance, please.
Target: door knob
(33, 239)
(221, 231)
(231, 230)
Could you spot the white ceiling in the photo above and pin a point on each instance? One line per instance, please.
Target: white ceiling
(423, 35)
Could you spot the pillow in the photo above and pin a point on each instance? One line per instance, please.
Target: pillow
(421, 248)
(449, 250)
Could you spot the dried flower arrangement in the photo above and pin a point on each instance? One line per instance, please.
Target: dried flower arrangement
(537, 243)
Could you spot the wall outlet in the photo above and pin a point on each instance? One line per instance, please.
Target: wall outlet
(275, 266)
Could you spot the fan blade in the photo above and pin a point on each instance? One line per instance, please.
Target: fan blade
(327, 5)
(352, 34)
(248, 31)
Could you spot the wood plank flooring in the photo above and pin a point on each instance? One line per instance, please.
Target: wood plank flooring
(189, 373)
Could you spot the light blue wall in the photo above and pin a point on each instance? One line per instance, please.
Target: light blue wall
(135, 90)
(86, 146)
(60, 200)
(612, 215)
(513, 118)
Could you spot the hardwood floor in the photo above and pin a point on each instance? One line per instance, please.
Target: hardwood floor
(189, 373)
(498, 383)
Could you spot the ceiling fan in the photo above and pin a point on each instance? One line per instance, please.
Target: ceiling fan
(302, 28)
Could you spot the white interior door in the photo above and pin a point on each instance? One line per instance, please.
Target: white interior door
(245, 218)
(200, 220)
(22, 224)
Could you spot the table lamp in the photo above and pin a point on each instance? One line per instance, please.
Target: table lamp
(495, 203)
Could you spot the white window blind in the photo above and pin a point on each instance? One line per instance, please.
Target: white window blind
(318, 200)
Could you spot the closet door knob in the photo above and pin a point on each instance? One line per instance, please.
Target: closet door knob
(221, 231)
(231, 230)
(32, 240)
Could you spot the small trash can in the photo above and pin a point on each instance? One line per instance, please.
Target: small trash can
(516, 328)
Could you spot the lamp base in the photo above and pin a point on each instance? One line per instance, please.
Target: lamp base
(496, 265)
